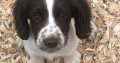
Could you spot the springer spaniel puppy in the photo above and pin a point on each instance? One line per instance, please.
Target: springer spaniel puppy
(52, 28)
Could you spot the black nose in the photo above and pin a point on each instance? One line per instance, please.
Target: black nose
(51, 42)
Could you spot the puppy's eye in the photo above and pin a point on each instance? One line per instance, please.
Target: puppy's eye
(37, 18)
(62, 15)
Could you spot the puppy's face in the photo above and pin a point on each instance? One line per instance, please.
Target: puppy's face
(49, 20)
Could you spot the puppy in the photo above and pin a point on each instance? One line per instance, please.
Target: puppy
(52, 28)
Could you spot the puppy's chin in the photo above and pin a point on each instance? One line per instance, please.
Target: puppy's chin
(50, 50)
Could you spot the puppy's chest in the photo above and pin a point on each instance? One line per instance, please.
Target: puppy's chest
(55, 60)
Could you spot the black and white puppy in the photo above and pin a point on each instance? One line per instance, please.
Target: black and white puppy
(52, 28)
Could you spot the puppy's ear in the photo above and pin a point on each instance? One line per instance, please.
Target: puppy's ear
(82, 15)
(21, 19)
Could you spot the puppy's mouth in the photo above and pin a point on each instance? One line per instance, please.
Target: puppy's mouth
(51, 50)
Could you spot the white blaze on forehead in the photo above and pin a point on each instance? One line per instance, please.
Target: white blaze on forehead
(50, 4)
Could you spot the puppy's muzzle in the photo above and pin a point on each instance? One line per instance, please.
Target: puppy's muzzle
(51, 43)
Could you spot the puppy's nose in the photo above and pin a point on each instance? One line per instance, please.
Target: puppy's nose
(51, 42)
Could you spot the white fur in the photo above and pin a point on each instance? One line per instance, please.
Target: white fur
(74, 58)
(50, 4)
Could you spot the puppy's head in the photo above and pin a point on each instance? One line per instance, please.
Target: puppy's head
(50, 21)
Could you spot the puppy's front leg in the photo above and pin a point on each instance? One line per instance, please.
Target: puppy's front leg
(34, 59)
(73, 58)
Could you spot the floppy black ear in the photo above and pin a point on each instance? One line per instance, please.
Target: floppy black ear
(82, 15)
(20, 17)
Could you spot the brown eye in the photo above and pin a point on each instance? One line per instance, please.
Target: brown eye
(62, 15)
(37, 18)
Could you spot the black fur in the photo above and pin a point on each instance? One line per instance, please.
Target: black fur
(82, 15)
(20, 17)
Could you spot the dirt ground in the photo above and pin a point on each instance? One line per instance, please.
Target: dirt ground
(104, 48)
